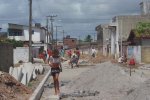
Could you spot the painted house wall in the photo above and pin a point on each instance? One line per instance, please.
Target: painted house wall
(124, 24)
(145, 54)
(134, 51)
(37, 35)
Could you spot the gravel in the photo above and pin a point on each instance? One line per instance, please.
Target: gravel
(111, 82)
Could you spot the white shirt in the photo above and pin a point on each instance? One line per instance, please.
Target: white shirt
(54, 60)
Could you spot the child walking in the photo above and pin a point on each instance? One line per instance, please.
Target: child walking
(56, 68)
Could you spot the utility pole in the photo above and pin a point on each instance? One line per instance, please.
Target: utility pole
(47, 29)
(56, 34)
(79, 41)
(121, 38)
(63, 36)
(94, 37)
(30, 30)
(52, 20)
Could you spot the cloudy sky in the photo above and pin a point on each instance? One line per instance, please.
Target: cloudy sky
(78, 18)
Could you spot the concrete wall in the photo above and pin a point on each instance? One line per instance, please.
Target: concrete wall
(145, 42)
(126, 23)
(145, 54)
(99, 30)
(20, 54)
(6, 56)
(70, 42)
(103, 38)
(145, 7)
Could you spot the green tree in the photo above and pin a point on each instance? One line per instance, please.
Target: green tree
(14, 42)
(88, 38)
(142, 29)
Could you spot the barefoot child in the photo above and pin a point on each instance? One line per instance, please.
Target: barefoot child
(55, 64)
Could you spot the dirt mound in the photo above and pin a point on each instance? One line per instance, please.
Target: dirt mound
(98, 59)
(11, 89)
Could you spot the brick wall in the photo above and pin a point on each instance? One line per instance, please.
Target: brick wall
(70, 42)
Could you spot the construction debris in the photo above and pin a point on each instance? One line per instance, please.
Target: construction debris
(11, 89)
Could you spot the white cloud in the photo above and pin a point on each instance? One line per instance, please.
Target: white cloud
(75, 14)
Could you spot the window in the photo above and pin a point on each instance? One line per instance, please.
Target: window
(15, 32)
(72, 40)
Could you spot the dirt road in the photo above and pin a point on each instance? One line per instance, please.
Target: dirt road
(104, 81)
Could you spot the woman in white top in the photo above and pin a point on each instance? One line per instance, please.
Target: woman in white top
(55, 64)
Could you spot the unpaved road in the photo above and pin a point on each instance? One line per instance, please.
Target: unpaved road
(104, 81)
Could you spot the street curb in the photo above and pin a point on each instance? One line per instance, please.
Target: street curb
(38, 91)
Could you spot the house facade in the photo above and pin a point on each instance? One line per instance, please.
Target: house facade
(120, 29)
(70, 42)
(145, 7)
(103, 38)
(21, 33)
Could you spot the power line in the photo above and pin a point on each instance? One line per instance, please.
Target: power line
(39, 7)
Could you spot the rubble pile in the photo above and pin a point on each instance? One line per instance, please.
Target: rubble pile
(98, 59)
(81, 93)
(11, 89)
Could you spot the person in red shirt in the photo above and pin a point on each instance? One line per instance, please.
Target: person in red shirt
(69, 53)
(77, 51)
(131, 63)
(49, 51)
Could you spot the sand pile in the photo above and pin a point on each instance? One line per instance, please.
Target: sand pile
(11, 89)
(98, 59)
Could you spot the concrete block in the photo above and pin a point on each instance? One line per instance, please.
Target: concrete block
(15, 73)
(24, 78)
(11, 70)
(34, 74)
(39, 68)
(39, 90)
(29, 69)
(37, 60)
(19, 73)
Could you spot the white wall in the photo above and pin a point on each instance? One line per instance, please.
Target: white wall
(134, 51)
(105, 50)
(20, 53)
(18, 38)
(35, 36)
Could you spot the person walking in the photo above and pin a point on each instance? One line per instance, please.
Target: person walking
(56, 68)
(62, 51)
(93, 52)
(77, 51)
(73, 60)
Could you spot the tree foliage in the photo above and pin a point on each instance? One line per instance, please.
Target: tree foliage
(142, 29)
(88, 38)
(13, 42)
